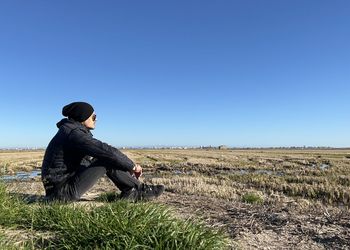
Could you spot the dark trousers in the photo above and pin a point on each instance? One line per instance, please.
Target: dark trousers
(87, 176)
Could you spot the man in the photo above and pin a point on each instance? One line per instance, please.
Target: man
(74, 161)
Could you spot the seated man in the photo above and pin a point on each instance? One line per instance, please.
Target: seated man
(74, 161)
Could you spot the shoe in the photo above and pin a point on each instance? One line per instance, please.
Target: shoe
(149, 192)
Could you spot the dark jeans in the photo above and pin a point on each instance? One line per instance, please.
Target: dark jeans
(87, 176)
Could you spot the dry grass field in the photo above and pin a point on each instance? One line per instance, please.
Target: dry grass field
(264, 199)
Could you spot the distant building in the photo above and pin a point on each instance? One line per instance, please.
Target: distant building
(222, 147)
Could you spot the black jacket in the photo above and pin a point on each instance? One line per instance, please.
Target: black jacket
(73, 146)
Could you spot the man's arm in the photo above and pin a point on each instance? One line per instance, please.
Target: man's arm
(88, 145)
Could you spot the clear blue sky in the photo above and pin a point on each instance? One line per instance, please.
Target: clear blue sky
(240, 73)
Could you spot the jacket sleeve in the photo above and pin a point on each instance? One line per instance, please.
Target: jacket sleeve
(88, 145)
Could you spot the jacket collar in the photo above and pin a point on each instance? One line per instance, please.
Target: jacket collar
(72, 124)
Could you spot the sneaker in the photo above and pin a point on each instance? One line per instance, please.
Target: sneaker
(149, 192)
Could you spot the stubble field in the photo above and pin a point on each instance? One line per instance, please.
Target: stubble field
(263, 199)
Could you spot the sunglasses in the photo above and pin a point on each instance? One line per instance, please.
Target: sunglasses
(94, 117)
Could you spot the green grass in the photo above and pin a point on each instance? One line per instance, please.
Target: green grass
(252, 198)
(117, 225)
(108, 197)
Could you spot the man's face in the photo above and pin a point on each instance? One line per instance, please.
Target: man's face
(90, 122)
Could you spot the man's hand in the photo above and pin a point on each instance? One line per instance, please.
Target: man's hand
(137, 171)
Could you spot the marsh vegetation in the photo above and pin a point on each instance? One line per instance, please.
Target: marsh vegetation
(291, 199)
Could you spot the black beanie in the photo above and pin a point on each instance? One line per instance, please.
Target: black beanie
(78, 111)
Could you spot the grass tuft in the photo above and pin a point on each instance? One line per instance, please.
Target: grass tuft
(117, 225)
(108, 197)
(252, 198)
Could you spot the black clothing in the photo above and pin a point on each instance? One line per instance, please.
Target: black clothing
(74, 161)
(78, 111)
(86, 177)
